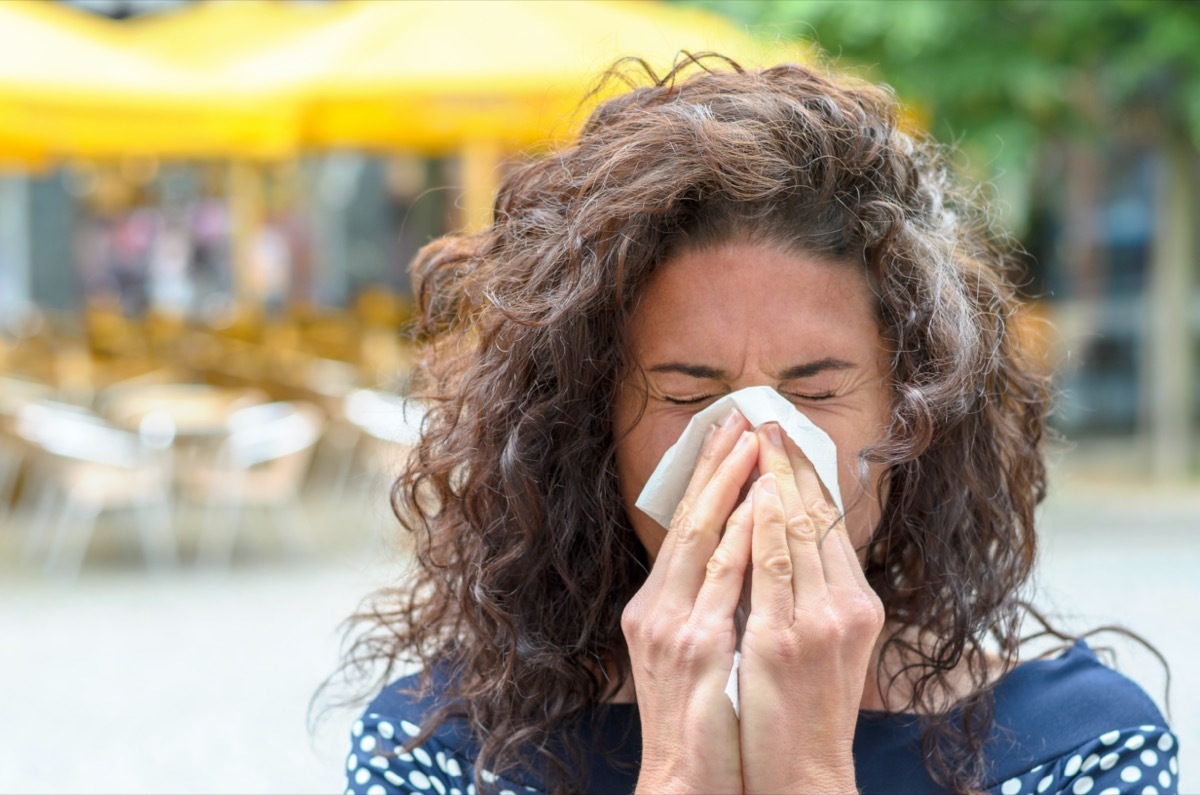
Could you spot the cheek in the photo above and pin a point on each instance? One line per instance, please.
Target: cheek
(859, 486)
(642, 446)
(637, 454)
(861, 497)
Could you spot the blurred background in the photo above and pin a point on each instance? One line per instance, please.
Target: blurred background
(206, 213)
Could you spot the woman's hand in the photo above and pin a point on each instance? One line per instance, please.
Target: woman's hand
(810, 634)
(680, 629)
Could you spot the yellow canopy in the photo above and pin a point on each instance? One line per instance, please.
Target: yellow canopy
(68, 89)
(258, 78)
(218, 35)
(424, 74)
(431, 74)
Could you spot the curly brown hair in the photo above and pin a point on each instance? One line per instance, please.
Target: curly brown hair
(525, 557)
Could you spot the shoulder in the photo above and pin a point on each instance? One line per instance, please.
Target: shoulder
(410, 702)
(1055, 702)
(1073, 724)
(385, 756)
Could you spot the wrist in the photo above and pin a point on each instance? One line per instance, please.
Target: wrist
(650, 784)
(835, 779)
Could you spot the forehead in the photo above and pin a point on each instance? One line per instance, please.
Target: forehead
(737, 298)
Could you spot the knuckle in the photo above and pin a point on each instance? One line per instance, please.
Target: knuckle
(860, 616)
(823, 623)
(630, 622)
(824, 515)
(830, 631)
(687, 643)
(777, 564)
(802, 527)
(681, 510)
(788, 646)
(872, 613)
(648, 636)
(719, 565)
(686, 529)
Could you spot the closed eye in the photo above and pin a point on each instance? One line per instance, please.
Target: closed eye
(690, 401)
(687, 401)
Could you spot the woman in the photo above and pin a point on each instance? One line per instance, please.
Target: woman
(706, 234)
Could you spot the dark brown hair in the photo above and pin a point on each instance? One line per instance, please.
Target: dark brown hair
(525, 557)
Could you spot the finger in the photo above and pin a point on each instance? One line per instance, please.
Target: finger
(836, 559)
(839, 538)
(719, 441)
(771, 589)
(813, 493)
(832, 539)
(726, 570)
(803, 532)
(694, 535)
(772, 457)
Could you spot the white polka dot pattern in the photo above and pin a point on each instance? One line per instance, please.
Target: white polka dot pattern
(1141, 759)
(380, 764)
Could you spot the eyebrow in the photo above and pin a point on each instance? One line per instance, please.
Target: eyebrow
(806, 370)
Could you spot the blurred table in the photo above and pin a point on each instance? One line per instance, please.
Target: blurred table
(198, 411)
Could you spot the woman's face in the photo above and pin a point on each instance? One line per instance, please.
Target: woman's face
(715, 321)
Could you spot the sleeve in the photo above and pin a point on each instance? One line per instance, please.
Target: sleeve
(1140, 759)
(379, 765)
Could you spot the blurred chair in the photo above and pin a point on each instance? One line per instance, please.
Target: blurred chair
(262, 463)
(88, 467)
(327, 382)
(386, 417)
(12, 459)
(15, 394)
(390, 426)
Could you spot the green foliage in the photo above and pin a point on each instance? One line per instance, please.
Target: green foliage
(996, 76)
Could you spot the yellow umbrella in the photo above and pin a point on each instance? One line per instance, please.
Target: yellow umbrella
(68, 89)
(424, 74)
(215, 35)
(472, 76)
(431, 75)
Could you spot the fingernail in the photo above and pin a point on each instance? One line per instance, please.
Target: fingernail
(768, 484)
(774, 435)
(743, 440)
(731, 420)
(708, 434)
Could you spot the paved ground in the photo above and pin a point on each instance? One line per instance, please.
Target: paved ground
(123, 682)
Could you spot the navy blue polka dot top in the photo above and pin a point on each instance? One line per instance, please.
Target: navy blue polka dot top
(1063, 725)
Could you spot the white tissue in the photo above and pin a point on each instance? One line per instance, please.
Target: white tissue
(731, 684)
(758, 404)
